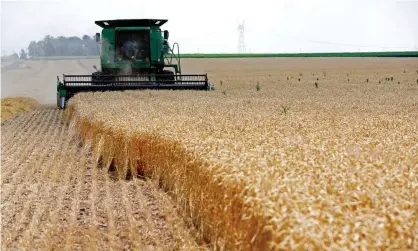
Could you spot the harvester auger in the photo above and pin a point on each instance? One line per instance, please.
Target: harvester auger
(134, 55)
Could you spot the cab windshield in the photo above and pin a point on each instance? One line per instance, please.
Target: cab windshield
(132, 45)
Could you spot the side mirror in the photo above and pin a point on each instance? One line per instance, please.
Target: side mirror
(166, 34)
(97, 37)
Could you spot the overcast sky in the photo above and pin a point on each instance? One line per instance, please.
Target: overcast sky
(211, 26)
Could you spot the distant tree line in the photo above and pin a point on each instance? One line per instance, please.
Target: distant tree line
(62, 46)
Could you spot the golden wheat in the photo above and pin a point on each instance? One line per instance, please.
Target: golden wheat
(290, 166)
(11, 106)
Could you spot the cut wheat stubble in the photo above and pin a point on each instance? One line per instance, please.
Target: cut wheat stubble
(21, 186)
(57, 201)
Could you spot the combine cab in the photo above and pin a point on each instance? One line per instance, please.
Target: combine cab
(135, 55)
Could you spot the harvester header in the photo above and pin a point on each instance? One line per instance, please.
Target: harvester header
(134, 54)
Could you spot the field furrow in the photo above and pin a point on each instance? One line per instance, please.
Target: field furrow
(92, 199)
(109, 204)
(128, 211)
(102, 212)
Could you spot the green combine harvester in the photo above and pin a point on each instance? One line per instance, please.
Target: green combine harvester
(134, 55)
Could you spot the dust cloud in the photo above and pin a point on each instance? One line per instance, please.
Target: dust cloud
(38, 79)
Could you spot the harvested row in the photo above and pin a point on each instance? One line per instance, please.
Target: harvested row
(54, 199)
(289, 167)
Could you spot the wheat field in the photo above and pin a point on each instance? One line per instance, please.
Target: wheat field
(298, 154)
(307, 159)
